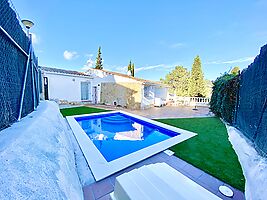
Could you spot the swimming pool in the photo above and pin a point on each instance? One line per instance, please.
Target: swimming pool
(114, 140)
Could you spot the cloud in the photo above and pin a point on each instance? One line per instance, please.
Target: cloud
(89, 55)
(177, 45)
(162, 66)
(240, 60)
(148, 67)
(173, 45)
(89, 64)
(35, 39)
(123, 69)
(69, 55)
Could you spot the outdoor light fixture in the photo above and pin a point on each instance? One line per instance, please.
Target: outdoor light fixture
(28, 24)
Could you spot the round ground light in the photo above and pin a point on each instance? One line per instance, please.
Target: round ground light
(226, 191)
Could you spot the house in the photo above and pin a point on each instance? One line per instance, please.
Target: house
(103, 87)
(66, 85)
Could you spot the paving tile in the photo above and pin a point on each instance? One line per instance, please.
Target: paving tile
(237, 193)
(106, 197)
(210, 181)
(177, 163)
(165, 156)
(156, 159)
(223, 197)
(193, 171)
(102, 188)
(207, 187)
(88, 193)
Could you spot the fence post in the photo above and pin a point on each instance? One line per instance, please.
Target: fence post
(33, 83)
(24, 82)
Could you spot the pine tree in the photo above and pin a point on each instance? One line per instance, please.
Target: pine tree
(99, 64)
(132, 70)
(197, 83)
(178, 81)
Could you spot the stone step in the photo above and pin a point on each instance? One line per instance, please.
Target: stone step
(158, 181)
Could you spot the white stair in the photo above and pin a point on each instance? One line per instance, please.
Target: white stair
(158, 181)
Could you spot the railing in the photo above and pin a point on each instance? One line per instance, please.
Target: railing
(188, 101)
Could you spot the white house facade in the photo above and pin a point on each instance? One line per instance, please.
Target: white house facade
(102, 87)
(66, 85)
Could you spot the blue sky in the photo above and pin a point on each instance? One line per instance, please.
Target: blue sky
(156, 35)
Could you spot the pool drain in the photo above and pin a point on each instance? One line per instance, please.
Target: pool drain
(226, 191)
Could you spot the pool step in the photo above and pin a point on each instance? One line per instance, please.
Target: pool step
(158, 181)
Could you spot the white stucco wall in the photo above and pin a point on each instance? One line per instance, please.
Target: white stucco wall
(65, 87)
(150, 92)
(161, 92)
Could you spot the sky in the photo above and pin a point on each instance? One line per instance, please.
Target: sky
(156, 35)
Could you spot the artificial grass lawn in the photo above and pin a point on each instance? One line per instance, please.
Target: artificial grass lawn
(210, 150)
(80, 110)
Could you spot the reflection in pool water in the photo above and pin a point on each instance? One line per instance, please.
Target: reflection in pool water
(116, 135)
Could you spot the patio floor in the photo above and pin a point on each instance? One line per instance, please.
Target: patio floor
(100, 190)
(164, 112)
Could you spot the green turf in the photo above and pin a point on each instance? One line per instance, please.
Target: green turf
(210, 150)
(80, 110)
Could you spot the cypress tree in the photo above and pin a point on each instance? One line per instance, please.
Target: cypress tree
(197, 82)
(99, 64)
(130, 67)
(132, 70)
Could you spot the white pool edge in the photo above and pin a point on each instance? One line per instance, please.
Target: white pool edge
(100, 167)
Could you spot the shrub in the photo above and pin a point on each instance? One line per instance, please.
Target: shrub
(224, 96)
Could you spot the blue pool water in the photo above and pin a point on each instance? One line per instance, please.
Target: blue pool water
(116, 135)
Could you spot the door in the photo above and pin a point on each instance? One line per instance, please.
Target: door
(46, 88)
(85, 91)
(94, 95)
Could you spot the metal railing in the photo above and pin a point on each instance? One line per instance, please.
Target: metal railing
(188, 101)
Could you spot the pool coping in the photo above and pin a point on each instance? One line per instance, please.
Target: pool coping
(98, 164)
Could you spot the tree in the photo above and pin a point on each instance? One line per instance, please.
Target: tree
(235, 70)
(99, 64)
(130, 67)
(130, 70)
(178, 80)
(197, 83)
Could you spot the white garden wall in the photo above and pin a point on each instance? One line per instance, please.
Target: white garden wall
(37, 158)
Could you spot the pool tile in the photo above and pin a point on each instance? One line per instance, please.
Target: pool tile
(102, 188)
(88, 193)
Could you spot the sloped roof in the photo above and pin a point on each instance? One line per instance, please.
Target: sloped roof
(64, 71)
(72, 72)
(144, 81)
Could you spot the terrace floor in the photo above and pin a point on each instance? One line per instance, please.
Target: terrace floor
(164, 112)
(100, 190)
